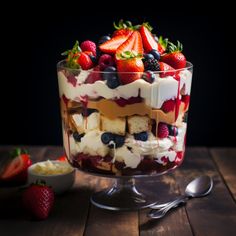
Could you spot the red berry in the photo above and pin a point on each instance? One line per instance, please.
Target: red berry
(85, 61)
(168, 106)
(94, 75)
(186, 100)
(38, 199)
(162, 131)
(88, 46)
(106, 60)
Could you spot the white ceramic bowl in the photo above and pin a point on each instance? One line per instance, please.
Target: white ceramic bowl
(59, 182)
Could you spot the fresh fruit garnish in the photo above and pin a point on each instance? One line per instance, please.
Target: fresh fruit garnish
(173, 130)
(38, 199)
(166, 69)
(85, 61)
(148, 76)
(111, 45)
(62, 158)
(168, 106)
(133, 43)
(94, 75)
(111, 77)
(129, 66)
(174, 56)
(106, 60)
(147, 56)
(162, 130)
(142, 136)
(162, 45)
(72, 56)
(16, 170)
(151, 64)
(155, 54)
(149, 42)
(88, 46)
(123, 28)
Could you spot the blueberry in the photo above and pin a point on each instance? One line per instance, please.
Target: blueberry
(93, 59)
(111, 77)
(107, 137)
(173, 130)
(142, 136)
(119, 140)
(148, 56)
(77, 137)
(103, 39)
(149, 76)
(156, 54)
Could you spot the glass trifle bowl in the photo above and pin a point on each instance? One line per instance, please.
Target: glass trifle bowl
(124, 104)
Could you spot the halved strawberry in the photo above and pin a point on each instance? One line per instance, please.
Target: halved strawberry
(149, 42)
(174, 57)
(167, 70)
(162, 45)
(16, 170)
(111, 45)
(133, 43)
(123, 28)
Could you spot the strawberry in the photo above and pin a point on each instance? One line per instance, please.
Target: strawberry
(149, 42)
(16, 170)
(174, 57)
(111, 45)
(162, 130)
(167, 70)
(133, 43)
(123, 28)
(88, 46)
(85, 61)
(129, 62)
(62, 158)
(38, 199)
(162, 45)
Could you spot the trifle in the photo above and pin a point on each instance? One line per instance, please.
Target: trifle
(124, 102)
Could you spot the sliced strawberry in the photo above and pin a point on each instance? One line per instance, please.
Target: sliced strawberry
(125, 32)
(123, 28)
(149, 42)
(111, 45)
(133, 43)
(167, 70)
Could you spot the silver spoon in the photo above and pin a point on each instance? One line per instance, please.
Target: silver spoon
(198, 187)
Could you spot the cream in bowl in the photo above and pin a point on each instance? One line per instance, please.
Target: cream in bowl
(57, 174)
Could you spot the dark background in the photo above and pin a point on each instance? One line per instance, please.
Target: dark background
(35, 38)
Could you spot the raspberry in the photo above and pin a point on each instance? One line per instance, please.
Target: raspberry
(168, 106)
(88, 46)
(151, 64)
(162, 131)
(106, 60)
(94, 76)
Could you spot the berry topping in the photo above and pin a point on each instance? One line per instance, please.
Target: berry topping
(149, 42)
(103, 39)
(155, 53)
(151, 64)
(123, 28)
(77, 137)
(84, 61)
(168, 106)
(149, 76)
(111, 77)
(119, 140)
(147, 56)
(88, 46)
(93, 59)
(111, 45)
(107, 137)
(167, 70)
(173, 130)
(162, 130)
(162, 45)
(105, 60)
(142, 136)
(174, 57)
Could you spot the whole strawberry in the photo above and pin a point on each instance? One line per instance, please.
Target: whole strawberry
(38, 199)
(174, 56)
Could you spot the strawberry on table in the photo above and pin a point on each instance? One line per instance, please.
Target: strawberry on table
(174, 56)
(38, 199)
(129, 61)
(16, 169)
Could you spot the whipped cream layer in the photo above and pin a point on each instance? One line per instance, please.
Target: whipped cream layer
(154, 94)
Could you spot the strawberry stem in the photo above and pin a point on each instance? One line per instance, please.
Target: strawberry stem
(129, 55)
(175, 48)
(17, 152)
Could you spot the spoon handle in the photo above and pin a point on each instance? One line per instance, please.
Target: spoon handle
(155, 214)
(160, 206)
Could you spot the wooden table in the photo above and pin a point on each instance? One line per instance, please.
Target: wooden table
(73, 213)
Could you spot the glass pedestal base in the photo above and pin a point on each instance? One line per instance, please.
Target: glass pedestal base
(123, 196)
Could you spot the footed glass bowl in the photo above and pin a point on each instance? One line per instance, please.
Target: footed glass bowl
(124, 126)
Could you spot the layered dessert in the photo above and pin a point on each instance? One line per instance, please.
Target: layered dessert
(124, 102)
